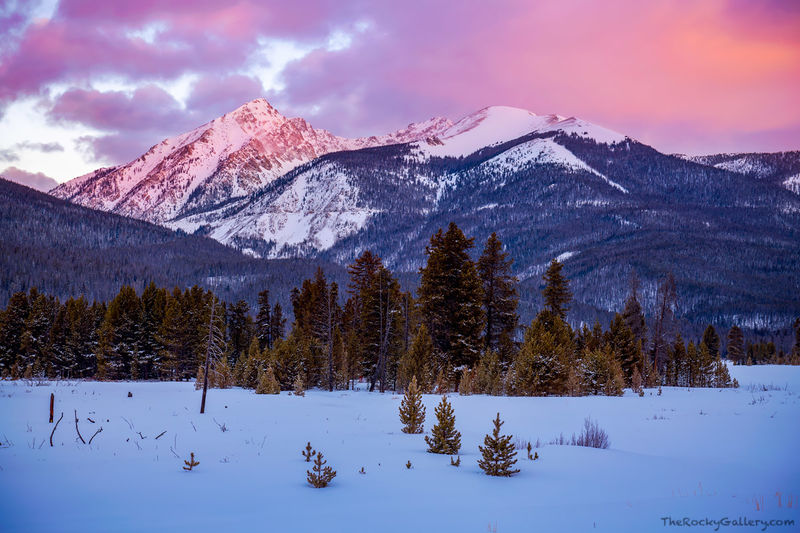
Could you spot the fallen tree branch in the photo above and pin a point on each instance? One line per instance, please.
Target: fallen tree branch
(76, 427)
(95, 434)
(90, 420)
(54, 428)
(140, 435)
(161, 434)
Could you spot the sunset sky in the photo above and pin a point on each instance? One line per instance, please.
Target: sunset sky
(86, 83)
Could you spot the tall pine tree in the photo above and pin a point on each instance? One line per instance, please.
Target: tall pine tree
(500, 298)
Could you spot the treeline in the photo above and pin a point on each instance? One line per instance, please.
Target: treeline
(461, 333)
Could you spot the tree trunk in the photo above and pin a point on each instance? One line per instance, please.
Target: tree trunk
(208, 357)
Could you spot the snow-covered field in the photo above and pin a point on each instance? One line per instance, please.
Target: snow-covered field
(700, 454)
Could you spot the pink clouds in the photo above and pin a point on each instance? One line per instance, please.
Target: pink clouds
(695, 77)
(638, 67)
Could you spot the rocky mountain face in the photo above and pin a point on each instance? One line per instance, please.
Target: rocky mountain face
(229, 157)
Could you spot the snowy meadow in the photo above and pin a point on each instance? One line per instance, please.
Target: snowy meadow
(699, 454)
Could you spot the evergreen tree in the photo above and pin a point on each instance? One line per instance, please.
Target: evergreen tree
(154, 301)
(498, 455)
(694, 365)
(711, 342)
(120, 336)
(277, 324)
(450, 296)
(444, 437)
(632, 313)
(267, 384)
(489, 377)
(264, 321)
(543, 362)
(623, 345)
(736, 345)
(414, 365)
(412, 412)
(12, 331)
(240, 327)
(320, 475)
(664, 325)
(500, 298)
(556, 291)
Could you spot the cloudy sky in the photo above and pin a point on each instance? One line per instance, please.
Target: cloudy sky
(85, 84)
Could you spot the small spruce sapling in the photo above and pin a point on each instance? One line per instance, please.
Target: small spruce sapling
(408, 464)
(320, 475)
(308, 453)
(191, 463)
(498, 453)
(299, 386)
(412, 412)
(445, 439)
(530, 448)
(455, 462)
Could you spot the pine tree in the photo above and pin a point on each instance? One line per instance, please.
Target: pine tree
(498, 453)
(711, 341)
(267, 384)
(120, 335)
(264, 321)
(444, 437)
(632, 313)
(320, 475)
(489, 377)
(12, 331)
(543, 362)
(415, 363)
(500, 298)
(623, 345)
(450, 296)
(556, 291)
(412, 412)
(736, 345)
(240, 327)
(277, 324)
(299, 387)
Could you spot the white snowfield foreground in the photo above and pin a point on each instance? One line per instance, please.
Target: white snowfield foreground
(700, 454)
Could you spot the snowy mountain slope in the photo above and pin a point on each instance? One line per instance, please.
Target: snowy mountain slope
(779, 168)
(231, 156)
(498, 124)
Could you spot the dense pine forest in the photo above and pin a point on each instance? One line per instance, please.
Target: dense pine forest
(461, 332)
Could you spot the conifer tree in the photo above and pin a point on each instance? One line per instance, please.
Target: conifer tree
(320, 475)
(277, 324)
(542, 365)
(450, 296)
(264, 321)
(415, 362)
(412, 412)
(299, 386)
(489, 377)
(498, 453)
(623, 345)
(736, 345)
(444, 437)
(556, 291)
(632, 313)
(711, 341)
(267, 384)
(500, 297)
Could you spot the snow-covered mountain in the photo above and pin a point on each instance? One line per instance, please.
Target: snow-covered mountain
(322, 202)
(780, 168)
(229, 157)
